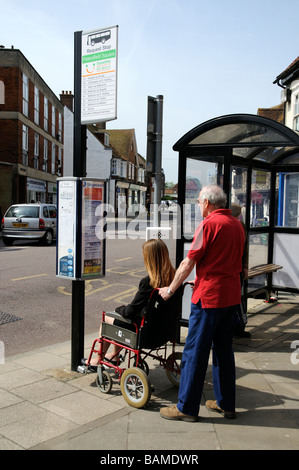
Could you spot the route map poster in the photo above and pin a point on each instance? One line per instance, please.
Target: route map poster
(93, 243)
(99, 75)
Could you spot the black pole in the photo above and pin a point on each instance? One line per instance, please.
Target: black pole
(79, 170)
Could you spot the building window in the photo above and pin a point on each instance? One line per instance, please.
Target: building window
(59, 161)
(25, 145)
(106, 139)
(45, 162)
(36, 151)
(115, 167)
(123, 169)
(53, 121)
(141, 175)
(2, 92)
(53, 160)
(36, 105)
(59, 126)
(25, 95)
(296, 114)
(46, 114)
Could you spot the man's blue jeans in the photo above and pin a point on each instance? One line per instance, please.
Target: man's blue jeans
(208, 327)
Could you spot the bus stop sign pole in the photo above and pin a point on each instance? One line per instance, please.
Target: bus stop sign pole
(79, 170)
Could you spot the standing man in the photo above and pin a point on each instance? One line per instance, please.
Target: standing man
(216, 252)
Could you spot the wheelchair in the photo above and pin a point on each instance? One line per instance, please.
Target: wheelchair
(158, 327)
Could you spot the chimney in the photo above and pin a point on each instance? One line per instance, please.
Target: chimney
(67, 99)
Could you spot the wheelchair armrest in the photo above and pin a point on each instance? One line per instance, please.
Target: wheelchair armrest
(119, 317)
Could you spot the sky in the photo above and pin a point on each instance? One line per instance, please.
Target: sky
(207, 59)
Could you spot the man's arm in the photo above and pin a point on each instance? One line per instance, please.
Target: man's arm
(181, 274)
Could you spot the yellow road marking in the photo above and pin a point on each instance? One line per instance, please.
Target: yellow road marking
(115, 296)
(122, 259)
(28, 277)
(132, 272)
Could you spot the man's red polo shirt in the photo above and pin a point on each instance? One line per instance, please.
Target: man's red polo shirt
(217, 249)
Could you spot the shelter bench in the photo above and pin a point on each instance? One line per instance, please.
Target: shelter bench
(258, 271)
(263, 269)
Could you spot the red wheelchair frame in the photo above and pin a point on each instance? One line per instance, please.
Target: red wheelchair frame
(134, 381)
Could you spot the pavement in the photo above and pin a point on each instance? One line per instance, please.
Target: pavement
(44, 405)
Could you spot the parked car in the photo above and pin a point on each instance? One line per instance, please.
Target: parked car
(29, 221)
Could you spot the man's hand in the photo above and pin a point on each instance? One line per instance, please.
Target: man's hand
(164, 294)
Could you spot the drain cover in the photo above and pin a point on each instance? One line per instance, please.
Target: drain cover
(7, 318)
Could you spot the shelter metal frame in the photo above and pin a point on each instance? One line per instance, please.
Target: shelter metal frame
(245, 141)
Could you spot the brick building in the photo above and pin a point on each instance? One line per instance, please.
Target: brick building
(31, 133)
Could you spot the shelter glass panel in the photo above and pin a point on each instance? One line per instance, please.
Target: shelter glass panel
(238, 189)
(286, 254)
(238, 133)
(287, 197)
(290, 160)
(258, 254)
(260, 198)
(199, 173)
(258, 249)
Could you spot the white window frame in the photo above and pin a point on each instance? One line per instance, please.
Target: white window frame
(36, 105)
(25, 95)
(53, 121)
(115, 167)
(45, 162)
(123, 169)
(53, 159)
(36, 151)
(296, 113)
(46, 114)
(60, 126)
(25, 144)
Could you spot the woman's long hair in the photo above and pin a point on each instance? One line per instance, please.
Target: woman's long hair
(157, 263)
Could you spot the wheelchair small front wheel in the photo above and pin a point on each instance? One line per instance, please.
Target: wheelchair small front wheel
(135, 387)
(173, 368)
(142, 364)
(104, 383)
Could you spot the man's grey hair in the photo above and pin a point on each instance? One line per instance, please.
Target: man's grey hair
(215, 195)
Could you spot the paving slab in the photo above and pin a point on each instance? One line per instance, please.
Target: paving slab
(44, 405)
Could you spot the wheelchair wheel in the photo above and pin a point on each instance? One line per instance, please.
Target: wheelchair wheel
(173, 368)
(135, 387)
(106, 384)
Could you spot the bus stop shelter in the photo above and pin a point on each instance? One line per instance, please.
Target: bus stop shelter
(256, 161)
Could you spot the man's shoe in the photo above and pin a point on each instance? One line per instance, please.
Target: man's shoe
(212, 406)
(173, 413)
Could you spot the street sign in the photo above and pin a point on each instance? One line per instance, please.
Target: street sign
(99, 75)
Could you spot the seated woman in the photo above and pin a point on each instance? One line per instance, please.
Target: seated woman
(160, 273)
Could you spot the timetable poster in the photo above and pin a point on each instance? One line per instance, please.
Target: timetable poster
(92, 229)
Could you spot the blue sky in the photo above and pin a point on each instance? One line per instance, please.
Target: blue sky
(206, 58)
